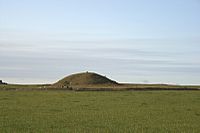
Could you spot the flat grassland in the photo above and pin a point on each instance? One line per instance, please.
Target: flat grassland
(103, 111)
(119, 87)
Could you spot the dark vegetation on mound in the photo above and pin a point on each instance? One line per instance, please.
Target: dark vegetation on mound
(84, 79)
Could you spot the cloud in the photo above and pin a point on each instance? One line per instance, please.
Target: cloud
(54, 59)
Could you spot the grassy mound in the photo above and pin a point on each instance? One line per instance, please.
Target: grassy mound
(84, 79)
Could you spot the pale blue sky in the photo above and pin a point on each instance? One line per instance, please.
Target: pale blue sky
(130, 41)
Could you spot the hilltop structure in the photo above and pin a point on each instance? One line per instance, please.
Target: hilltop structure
(84, 79)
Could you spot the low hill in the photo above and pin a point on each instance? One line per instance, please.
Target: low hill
(84, 79)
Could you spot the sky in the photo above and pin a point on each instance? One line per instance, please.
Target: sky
(134, 41)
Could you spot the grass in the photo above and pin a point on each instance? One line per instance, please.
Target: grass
(87, 78)
(102, 87)
(104, 111)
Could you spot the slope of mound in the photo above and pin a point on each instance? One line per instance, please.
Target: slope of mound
(87, 78)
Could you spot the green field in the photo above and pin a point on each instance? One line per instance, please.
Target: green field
(104, 111)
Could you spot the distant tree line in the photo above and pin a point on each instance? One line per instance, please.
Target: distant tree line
(1, 82)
